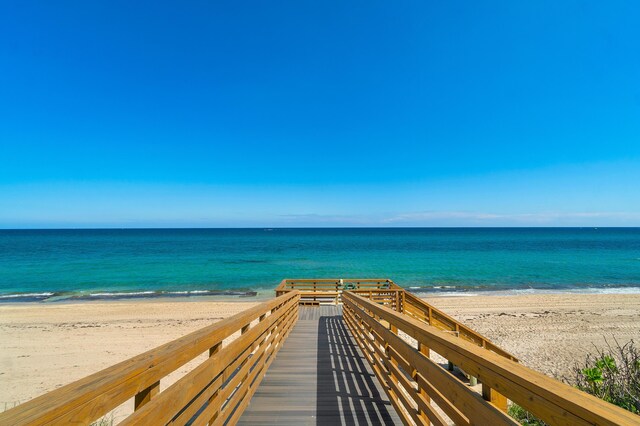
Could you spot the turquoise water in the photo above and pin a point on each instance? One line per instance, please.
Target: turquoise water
(103, 263)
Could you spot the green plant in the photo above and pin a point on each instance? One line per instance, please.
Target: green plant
(612, 375)
(593, 376)
(523, 416)
(607, 363)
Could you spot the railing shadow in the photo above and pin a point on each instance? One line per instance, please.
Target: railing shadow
(346, 389)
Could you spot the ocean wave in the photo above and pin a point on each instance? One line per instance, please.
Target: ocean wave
(159, 294)
(27, 295)
(115, 295)
(492, 291)
(132, 293)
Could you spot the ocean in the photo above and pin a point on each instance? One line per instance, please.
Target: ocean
(54, 265)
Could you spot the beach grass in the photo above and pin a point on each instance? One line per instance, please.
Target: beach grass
(612, 374)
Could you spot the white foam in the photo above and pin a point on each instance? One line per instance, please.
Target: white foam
(13, 296)
(454, 294)
(527, 291)
(134, 293)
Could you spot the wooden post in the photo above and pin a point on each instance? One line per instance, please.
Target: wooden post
(426, 352)
(212, 351)
(494, 397)
(215, 349)
(145, 395)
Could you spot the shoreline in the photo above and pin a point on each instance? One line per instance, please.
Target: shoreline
(260, 294)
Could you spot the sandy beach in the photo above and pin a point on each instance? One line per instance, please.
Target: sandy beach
(43, 347)
(549, 332)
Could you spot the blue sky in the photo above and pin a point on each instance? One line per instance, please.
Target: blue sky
(319, 113)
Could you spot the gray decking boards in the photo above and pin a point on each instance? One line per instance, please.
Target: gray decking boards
(319, 377)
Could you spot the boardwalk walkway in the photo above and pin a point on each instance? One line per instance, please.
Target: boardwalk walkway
(320, 377)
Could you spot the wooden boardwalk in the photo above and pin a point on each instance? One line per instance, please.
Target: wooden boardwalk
(296, 365)
(320, 377)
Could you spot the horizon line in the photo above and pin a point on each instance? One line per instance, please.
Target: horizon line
(312, 227)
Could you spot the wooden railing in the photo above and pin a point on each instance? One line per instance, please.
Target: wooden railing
(416, 384)
(317, 291)
(387, 293)
(215, 392)
(417, 308)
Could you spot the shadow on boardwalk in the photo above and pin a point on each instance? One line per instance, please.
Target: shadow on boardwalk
(347, 391)
(319, 377)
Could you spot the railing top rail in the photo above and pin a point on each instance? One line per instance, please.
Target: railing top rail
(463, 330)
(286, 283)
(545, 397)
(129, 377)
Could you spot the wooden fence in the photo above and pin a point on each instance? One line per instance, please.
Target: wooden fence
(215, 392)
(415, 383)
(387, 293)
(317, 291)
(417, 308)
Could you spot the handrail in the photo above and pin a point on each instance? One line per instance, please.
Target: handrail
(412, 379)
(329, 290)
(340, 283)
(216, 391)
(423, 311)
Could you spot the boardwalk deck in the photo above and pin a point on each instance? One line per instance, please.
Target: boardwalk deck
(320, 377)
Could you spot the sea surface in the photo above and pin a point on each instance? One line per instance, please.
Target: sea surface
(53, 265)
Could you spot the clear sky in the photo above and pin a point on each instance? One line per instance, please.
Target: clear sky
(324, 113)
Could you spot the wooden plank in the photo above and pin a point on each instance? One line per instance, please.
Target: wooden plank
(211, 411)
(379, 367)
(319, 377)
(467, 401)
(235, 405)
(94, 396)
(545, 397)
(419, 308)
(441, 401)
(166, 405)
(462, 397)
(145, 395)
(270, 355)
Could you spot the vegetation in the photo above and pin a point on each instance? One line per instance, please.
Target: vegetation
(523, 416)
(612, 375)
